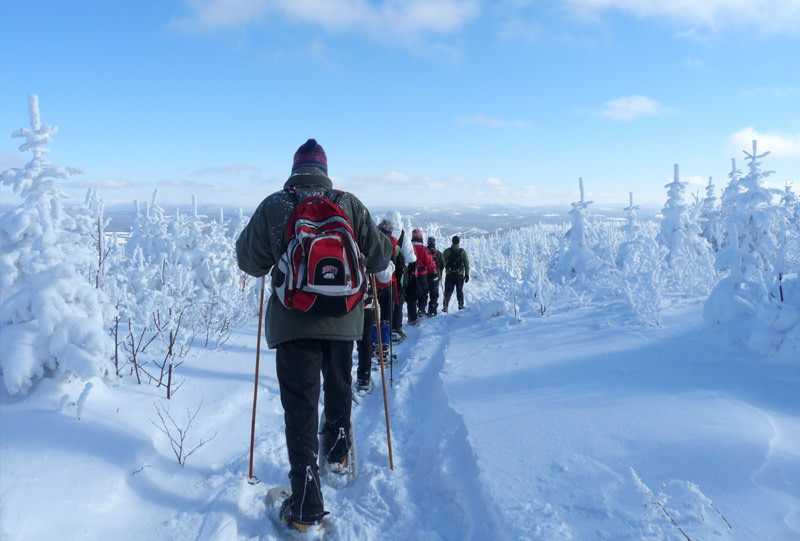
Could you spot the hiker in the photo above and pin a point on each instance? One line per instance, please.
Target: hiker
(365, 344)
(456, 266)
(434, 277)
(403, 256)
(417, 294)
(309, 344)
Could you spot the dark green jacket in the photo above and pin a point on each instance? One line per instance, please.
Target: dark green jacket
(263, 241)
(464, 258)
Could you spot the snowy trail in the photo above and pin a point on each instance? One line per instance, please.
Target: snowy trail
(434, 444)
(434, 491)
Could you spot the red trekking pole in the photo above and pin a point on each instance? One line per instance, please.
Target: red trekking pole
(250, 479)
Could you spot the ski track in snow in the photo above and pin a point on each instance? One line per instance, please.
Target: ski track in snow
(429, 441)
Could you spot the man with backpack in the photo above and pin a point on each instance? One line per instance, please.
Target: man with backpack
(434, 276)
(456, 265)
(417, 296)
(404, 258)
(313, 330)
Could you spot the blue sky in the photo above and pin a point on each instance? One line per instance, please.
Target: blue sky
(416, 102)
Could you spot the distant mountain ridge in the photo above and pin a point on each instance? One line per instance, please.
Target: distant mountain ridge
(466, 220)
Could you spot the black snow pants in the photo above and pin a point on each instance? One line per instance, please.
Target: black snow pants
(453, 281)
(299, 364)
(365, 346)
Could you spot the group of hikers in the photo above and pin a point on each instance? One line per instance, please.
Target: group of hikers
(415, 283)
(310, 343)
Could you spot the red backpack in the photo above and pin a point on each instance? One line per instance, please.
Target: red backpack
(321, 271)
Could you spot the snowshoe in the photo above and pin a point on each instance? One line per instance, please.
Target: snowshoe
(388, 356)
(364, 388)
(338, 474)
(286, 527)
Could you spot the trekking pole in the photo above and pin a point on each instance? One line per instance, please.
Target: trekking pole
(383, 374)
(391, 326)
(250, 479)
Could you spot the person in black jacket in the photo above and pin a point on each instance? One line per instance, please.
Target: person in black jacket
(456, 266)
(434, 277)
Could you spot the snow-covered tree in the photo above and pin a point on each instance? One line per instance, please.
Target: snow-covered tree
(753, 222)
(52, 319)
(709, 218)
(688, 257)
(638, 260)
(575, 258)
(757, 257)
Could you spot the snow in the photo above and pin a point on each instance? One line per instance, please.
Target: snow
(593, 388)
(576, 426)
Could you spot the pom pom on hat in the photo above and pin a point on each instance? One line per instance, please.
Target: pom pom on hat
(310, 154)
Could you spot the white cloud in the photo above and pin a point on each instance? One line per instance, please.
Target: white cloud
(409, 17)
(111, 184)
(769, 16)
(481, 119)
(632, 107)
(779, 145)
(233, 170)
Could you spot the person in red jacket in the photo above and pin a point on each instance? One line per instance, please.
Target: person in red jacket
(417, 292)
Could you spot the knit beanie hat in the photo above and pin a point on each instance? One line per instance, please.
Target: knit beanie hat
(386, 226)
(456, 240)
(431, 242)
(310, 154)
(416, 235)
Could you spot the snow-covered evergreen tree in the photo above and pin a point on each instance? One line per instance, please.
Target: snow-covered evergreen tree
(52, 319)
(756, 256)
(688, 258)
(638, 260)
(709, 218)
(753, 222)
(575, 258)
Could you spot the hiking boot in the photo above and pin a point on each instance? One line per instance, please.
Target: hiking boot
(398, 336)
(364, 386)
(461, 306)
(287, 517)
(338, 467)
(414, 323)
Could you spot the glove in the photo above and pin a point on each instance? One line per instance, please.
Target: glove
(466, 278)
(386, 274)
